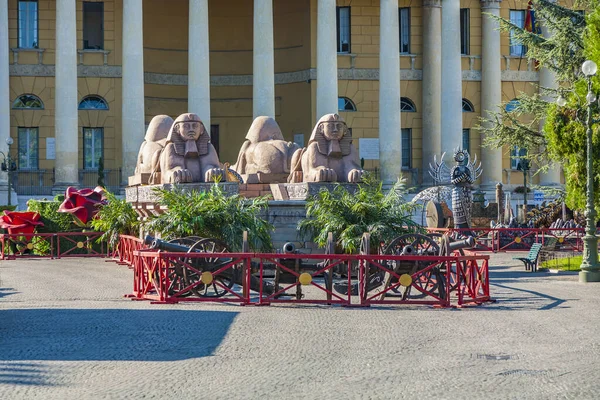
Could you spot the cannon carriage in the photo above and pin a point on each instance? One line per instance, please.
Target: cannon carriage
(205, 268)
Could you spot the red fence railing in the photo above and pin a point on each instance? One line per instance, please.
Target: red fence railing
(347, 280)
(123, 251)
(520, 239)
(51, 245)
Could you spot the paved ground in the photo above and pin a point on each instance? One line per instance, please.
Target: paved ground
(66, 333)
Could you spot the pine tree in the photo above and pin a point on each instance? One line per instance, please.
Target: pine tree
(573, 38)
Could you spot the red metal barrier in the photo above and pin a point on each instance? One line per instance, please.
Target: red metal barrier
(174, 277)
(123, 251)
(519, 239)
(31, 246)
(51, 245)
(79, 244)
(314, 285)
(472, 284)
(347, 280)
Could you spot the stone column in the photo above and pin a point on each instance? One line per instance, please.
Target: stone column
(390, 139)
(491, 88)
(133, 85)
(432, 84)
(451, 77)
(66, 119)
(548, 80)
(327, 85)
(4, 89)
(263, 89)
(199, 61)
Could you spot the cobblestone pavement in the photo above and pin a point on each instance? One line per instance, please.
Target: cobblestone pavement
(67, 333)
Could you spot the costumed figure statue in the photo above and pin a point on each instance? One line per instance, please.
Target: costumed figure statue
(154, 142)
(461, 176)
(265, 157)
(330, 155)
(188, 155)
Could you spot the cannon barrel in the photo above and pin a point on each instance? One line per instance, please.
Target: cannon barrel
(163, 245)
(408, 250)
(462, 244)
(289, 248)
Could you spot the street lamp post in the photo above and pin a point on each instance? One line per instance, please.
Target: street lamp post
(590, 270)
(8, 165)
(524, 166)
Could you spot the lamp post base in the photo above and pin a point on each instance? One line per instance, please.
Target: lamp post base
(589, 276)
(590, 268)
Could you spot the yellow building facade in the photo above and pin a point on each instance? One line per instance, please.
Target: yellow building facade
(100, 34)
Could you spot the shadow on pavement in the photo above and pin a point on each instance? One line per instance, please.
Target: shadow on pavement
(537, 300)
(17, 373)
(110, 334)
(6, 292)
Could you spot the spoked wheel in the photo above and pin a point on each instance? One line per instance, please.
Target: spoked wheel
(431, 281)
(176, 275)
(209, 264)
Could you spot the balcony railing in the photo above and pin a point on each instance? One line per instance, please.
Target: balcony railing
(39, 182)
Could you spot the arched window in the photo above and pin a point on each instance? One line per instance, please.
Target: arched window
(467, 106)
(93, 102)
(28, 102)
(512, 105)
(345, 104)
(407, 105)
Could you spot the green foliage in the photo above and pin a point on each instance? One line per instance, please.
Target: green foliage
(115, 218)
(571, 40)
(563, 264)
(212, 214)
(9, 208)
(52, 219)
(101, 172)
(348, 216)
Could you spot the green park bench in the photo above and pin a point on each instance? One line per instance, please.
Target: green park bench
(532, 258)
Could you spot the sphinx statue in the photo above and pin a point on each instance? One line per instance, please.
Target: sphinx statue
(330, 155)
(188, 155)
(154, 142)
(265, 157)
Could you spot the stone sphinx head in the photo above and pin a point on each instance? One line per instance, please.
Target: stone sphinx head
(189, 136)
(332, 136)
(263, 129)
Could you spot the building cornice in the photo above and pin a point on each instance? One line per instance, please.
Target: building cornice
(306, 75)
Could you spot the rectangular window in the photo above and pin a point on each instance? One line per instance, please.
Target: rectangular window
(28, 24)
(466, 140)
(93, 147)
(93, 25)
(515, 156)
(517, 17)
(28, 148)
(406, 148)
(465, 31)
(343, 29)
(404, 18)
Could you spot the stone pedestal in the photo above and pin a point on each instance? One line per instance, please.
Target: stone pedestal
(304, 190)
(146, 194)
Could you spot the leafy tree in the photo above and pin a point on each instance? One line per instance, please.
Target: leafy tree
(212, 214)
(572, 39)
(115, 218)
(101, 172)
(348, 216)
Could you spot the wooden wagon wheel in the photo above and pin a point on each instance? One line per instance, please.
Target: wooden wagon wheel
(175, 273)
(209, 264)
(430, 282)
